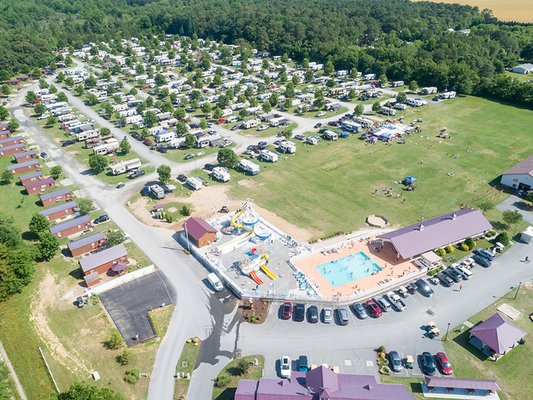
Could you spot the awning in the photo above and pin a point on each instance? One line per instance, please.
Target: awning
(119, 267)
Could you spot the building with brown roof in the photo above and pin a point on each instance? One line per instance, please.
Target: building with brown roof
(199, 232)
(57, 196)
(39, 185)
(96, 266)
(519, 177)
(87, 244)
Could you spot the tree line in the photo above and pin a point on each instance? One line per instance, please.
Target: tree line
(399, 39)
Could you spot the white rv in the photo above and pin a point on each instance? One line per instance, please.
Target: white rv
(108, 147)
(165, 136)
(220, 174)
(287, 147)
(125, 166)
(267, 155)
(194, 183)
(330, 135)
(448, 95)
(350, 126)
(248, 167)
(387, 111)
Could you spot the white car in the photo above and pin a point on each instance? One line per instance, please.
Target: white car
(311, 140)
(285, 367)
(327, 315)
(262, 128)
(321, 114)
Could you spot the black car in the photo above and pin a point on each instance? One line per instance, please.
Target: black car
(484, 262)
(101, 218)
(423, 288)
(452, 273)
(299, 312)
(68, 143)
(135, 135)
(136, 173)
(318, 125)
(428, 364)
(395, 361)
(445, 279)
(312, 314)
(262, 145)
(209, 167)
(484, 253)
(189, 156)
(359, 310)
(182, 178)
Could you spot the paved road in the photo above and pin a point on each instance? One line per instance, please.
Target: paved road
(515, 203)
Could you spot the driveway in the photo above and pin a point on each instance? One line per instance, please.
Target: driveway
(515, 203)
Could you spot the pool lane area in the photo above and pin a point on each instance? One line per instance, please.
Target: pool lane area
(347, 269)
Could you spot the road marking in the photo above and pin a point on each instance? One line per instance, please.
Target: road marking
(370, 363)
(348, 363)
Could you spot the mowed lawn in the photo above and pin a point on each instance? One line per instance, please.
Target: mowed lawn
(330, 187)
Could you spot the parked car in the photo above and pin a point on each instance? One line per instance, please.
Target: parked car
(300, 137)
(79, 302)
(312, 314)
(396, 301)
(423, 288)
(303, 364)
(484, 253)
(327, 315)
(299, 312)
(373, 308)
(285, 367)
(428, 364)
(444, 364)
(286, 310)
(262, 145)
(182, 178)
(342, 315)
(383, 303)
(189, 156)
(262, 128)
(68, 143)
(136, 173)
(148, 142)
(120, 185)
(318, 125)
(101, 218)
(484, 262)
(445, 279)
(43, 154)
(209, 166)
(235, 127)
(395, 361)
(465, 271)
(452, 273)
(359, 310)
(161, 149)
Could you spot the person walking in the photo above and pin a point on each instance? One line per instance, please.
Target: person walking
(460, 287)
(526, 259)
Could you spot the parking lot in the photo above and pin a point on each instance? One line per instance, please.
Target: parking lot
(128, 305)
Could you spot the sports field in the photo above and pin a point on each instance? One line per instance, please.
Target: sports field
(507, 10)
(330, 187)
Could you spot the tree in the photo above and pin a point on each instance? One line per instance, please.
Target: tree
(133, 91)
(31, 97)
(530, 197)
(164, 172)
(329, 68)
(85, 206)
(132, 375)
(267, 107)
(182, 128)
(217, 114)
(92, 99)
(125, 146)
(39, 109)
(413, 86)
(512, 217)
(243, 366)
(150, 119)
(402, 96)
(48, 246)
(227, 158)
(4, 113)
(124, 358)
(115, 341)
(105, 132)
(7, 177)
(79, 90)
(98, 163)
(115, 237)
(376, 107)
(206, 108)
(486, 206)
(160, 80)
(53, 89)
(185, 210)
(13, 125)
(56, 171)
(190, 140)
(203, 123)
(180, 113)
(305, 63)
(359, 110)
(38, 223)
(51, 120)
(6, 90)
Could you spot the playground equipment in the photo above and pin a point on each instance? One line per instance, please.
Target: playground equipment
(245, 216)
(268, 272)
(262, 232)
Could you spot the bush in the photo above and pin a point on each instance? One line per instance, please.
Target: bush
(242, 367)
(449, 249)
(185, 211)
(169, 218)
(464, 247)
(470, 243)
(441, 252)
(124, 358)
(503, 238)
(115, 341)
(132, 375)
(222, 380)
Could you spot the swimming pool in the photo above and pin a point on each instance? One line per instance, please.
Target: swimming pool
(348, 269)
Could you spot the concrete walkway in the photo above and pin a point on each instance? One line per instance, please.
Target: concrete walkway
(14, 377)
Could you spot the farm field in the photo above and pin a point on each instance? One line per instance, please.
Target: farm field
(334, 186)
(507, 10)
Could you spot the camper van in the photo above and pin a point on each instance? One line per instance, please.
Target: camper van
(352, 127)
(248, 167)
(267, 155)
(108, 147)
(287, 147)
(194, 183)
(330, 135)
(220, 174)
(165, 136)
(448, 95)
(215, 282)
(387, 111)
(157, 192)
(125, 166)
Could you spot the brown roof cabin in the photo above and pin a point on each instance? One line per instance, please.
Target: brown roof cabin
(31, 165)
(57, 196)
(40, 185)
(11, 140)
(87, 244)
(31, 177)
(71, 227)
(97, 265)
(4, 133)
(10, 150)
(60, 211)
(24, 156)
(199, 232)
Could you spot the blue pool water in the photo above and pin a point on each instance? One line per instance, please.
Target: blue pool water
(348, 269)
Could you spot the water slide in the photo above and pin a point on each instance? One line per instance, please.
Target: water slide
(234, 222)
(268, 272)
(255, 278)
(262, 232)
(235, 242)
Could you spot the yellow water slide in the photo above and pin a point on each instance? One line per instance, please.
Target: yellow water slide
(233, 220)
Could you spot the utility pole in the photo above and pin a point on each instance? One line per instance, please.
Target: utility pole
(447, 330)
(517, 290)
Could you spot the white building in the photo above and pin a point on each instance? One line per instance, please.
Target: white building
(523, 69)
(520, 176)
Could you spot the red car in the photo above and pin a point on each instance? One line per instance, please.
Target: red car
(286, 310)
(373, 308)
(444, 363)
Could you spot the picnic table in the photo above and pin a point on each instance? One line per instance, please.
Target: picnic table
(408, 362)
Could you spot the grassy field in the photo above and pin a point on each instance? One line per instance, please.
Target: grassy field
(507, 10)
(330, 187)
(511, 371)
(255, 372)
(7, 386)
(186, 364)
(520, 77)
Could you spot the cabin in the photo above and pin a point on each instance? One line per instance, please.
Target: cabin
(11, 150)
(199, 232)
(31, 177)
(57, 196)
(97, 265)
(39, 186)
(248, 167)
(60, 211)
(268, 155)
(4, 134)
(31, 165)
(11, 140)
(71, 227)
(24, 156)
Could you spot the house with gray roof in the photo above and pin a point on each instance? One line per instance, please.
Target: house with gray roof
(71, 227)
(496, 336)
(448, 229)
(523, 69)
(87, 244)
(520, 176)
(60, 211)
(318, 384)
(96, 266)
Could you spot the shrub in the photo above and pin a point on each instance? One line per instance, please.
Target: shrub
(470, 243)
(115, 340)
(441, 252)
(132, 375)
(169, 218)
(381, 349)
(222, 380)
(449, 249)
(124, 358)
(242, 367)
(185, 211)
(503, 238)
(464, 247)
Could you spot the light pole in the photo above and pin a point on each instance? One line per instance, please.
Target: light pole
(517, 290)
(447, 330)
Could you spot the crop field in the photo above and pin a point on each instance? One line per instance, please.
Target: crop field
(507, 10)
(334, 186)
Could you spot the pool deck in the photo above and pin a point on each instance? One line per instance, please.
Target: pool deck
(383, 255)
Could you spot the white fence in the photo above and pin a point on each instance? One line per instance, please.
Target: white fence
(104, 287)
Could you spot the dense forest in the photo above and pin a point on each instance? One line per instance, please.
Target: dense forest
(403, 40)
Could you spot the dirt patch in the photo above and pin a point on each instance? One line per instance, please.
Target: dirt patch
(300, 234)
(47, 295)
(255, 312)
(141, 209)
(248, 183)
